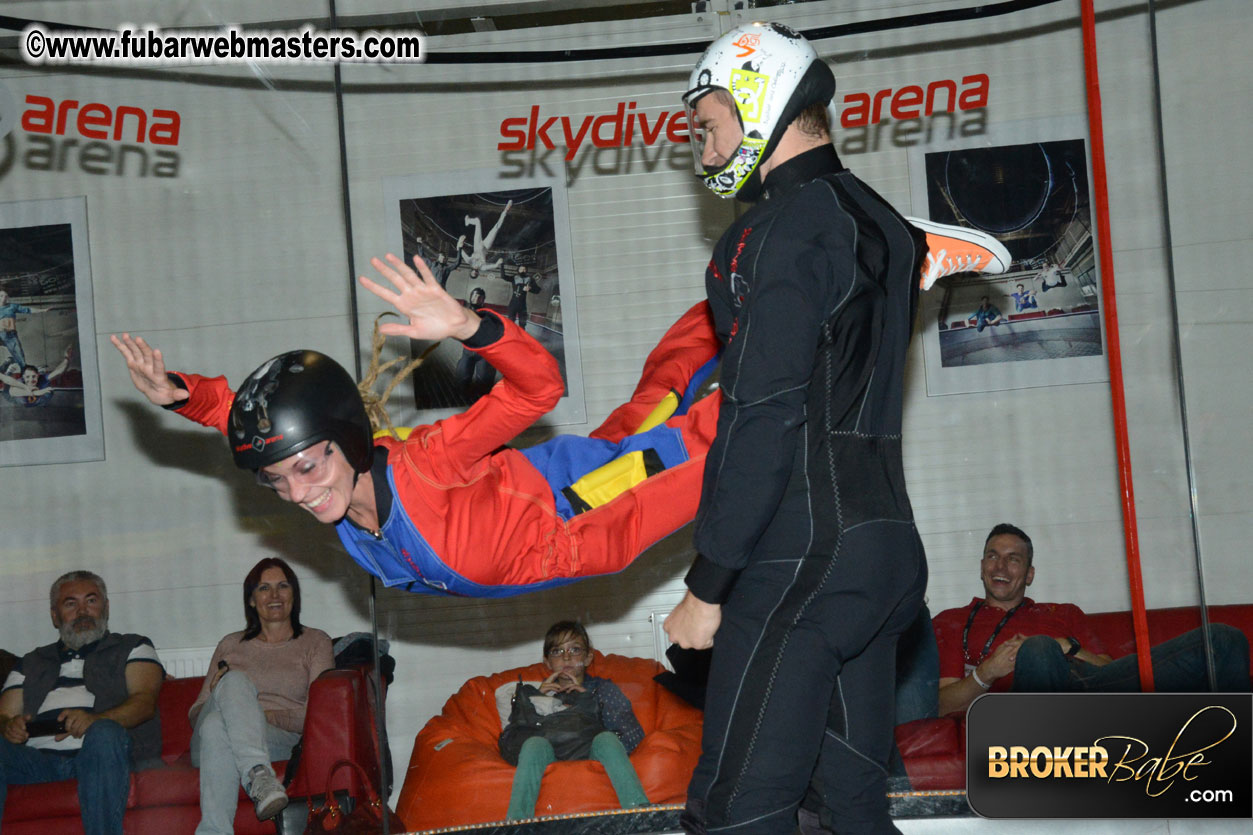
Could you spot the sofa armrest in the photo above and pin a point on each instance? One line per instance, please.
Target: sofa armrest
(339, 725)
(929, 737)
(934, 752)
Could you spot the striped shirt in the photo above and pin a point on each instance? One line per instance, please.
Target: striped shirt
(70, 692)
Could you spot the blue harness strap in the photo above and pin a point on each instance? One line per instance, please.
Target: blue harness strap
(401, 556)
(567, 458)
(698, 379)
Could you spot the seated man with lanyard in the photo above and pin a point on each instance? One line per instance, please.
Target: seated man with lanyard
(1007, 641)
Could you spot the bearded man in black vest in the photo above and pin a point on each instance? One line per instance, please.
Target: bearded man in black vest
(83, 708)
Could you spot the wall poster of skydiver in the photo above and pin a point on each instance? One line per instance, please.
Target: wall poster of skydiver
(503, 247)
(1039, 323)
(49, 384)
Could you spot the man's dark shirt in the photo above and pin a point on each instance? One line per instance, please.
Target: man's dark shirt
(798, 284)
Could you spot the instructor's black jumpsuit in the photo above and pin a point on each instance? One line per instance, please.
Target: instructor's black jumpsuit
(805, 530)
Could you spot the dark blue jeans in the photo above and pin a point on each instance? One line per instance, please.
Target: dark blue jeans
(917, 671)
(1178, 666)
(102, 768)
(9, 340)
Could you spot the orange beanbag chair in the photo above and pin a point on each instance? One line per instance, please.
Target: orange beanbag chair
(456, 774)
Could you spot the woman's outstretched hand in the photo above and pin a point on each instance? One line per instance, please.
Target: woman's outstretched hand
(432, 313)
(147, 368)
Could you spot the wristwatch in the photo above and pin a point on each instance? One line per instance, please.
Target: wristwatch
(1074, 646)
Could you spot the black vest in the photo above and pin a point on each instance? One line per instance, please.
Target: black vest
(104, 675)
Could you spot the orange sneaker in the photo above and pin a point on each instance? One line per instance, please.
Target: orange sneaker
(959, 249)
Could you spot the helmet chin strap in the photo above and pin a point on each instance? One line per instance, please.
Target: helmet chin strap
(369, 463)
(750, 191)
(356, 474)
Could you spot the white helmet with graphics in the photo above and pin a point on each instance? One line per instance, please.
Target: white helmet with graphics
(771, 74)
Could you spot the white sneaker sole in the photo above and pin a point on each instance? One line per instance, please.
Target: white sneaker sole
(1001, 258)
(272, 806)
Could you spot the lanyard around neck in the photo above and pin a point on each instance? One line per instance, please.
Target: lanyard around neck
(997, 631)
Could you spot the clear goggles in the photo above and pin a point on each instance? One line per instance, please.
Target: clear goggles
(309, 466)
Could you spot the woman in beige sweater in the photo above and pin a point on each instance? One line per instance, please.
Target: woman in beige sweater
(251, 709)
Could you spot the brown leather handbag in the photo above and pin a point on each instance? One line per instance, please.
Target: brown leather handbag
(366, 818)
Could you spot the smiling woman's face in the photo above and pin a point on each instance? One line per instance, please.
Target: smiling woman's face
(273, 596)
(319, 479)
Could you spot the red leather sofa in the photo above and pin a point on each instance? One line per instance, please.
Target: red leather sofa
(456, 774)
(166, 800)
(934, 750)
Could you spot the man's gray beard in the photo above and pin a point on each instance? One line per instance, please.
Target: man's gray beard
(78, 638)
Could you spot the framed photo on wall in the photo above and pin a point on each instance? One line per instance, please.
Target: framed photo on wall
(49, 379)
(505, 249)
(1039, 323)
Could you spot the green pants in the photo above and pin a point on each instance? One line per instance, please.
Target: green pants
(537, 753)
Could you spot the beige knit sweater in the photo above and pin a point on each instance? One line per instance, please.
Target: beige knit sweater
(282, 673)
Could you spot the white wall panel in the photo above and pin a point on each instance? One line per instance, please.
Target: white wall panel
(244, 254)
(1206, 83)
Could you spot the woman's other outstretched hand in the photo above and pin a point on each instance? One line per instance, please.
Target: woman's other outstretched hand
(432, 313)
(147, 368)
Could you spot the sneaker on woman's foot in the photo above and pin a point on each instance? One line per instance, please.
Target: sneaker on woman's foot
(959, 249)
(267, 793)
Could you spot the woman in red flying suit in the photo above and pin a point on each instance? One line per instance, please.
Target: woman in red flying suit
(447, 509)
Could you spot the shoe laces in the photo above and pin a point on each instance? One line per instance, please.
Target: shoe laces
(941, 264)
(944, 264)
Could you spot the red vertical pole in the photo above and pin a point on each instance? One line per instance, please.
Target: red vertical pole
(1109, 307)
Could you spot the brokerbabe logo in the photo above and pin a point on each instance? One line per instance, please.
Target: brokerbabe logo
(1110, 755)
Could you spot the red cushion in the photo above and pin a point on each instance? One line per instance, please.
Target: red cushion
(928, 737)
(1117, 632)
(46, 800)
(50, 825)
(174, 785)
(177, 697)
(337, 726)
(166, 800)
(932, 773)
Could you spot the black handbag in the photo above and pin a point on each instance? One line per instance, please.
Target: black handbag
(569, 731)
